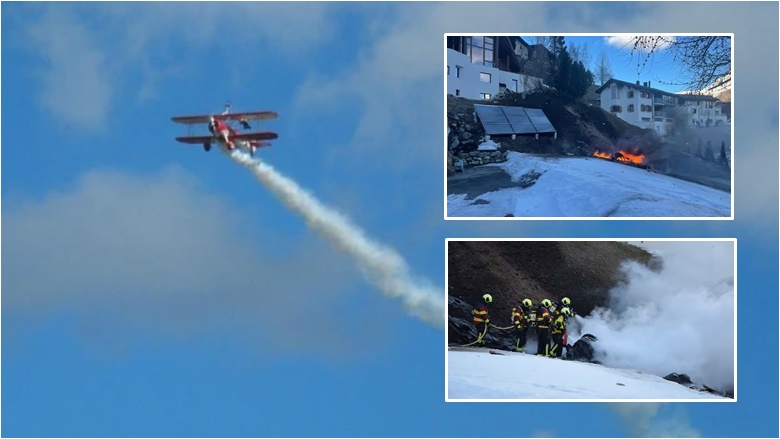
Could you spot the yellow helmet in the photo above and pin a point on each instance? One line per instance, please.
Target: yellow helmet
(565, 301)
(546, 303)
(527, 303)
(487, 298)
(566, 312)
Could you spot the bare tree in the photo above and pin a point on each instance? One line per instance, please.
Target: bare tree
(705, 60)
(603, 71)
(579, 52)
(543, 40)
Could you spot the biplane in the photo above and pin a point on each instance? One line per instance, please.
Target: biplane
(222, 132)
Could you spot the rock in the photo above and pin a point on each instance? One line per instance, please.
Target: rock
(455, 143)
(465, 135)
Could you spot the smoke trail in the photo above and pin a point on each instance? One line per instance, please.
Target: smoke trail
(384, 267)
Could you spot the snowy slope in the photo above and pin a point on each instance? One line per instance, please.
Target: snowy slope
(478, 375)
(591, 187)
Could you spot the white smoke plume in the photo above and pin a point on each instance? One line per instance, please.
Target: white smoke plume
(384, 267)
(679, 319)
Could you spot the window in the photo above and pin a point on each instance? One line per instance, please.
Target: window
(693, 110)
(646, 108)
(645, 119)
(631, 95)
(644, 94)
(448, 70)
(457, 92)
(631, 108)
(489, 51)
(514, 85)
(485, 77)
(485, 96)
(616, 109)
(709, 104)
(457, 71)
(614, 92)
(480, 50)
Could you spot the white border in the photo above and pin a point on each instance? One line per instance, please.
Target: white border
(446, 315)
(591, 218)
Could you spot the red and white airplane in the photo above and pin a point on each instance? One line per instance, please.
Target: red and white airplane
(224, 134)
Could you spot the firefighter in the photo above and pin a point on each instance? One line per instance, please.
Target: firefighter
(543, 320)
(559, 333)
(481, 317)
(520, 320)
(566, 302)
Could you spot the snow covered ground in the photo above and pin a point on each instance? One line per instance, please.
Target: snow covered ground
(478, 375)
(590, 187)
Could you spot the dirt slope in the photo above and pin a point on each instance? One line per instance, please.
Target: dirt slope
(584, 271)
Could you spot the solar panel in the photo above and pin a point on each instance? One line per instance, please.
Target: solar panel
(490, 114)
(498, 128)
(513, 120)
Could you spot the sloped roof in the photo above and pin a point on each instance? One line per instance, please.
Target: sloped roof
(655, 90)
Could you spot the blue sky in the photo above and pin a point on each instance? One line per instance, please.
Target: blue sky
(661, 69)
(151, 289)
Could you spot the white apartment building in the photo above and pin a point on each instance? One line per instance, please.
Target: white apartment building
(481, 67)
(651, 108)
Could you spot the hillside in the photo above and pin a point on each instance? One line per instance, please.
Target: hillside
(574, 120)
(510, 271)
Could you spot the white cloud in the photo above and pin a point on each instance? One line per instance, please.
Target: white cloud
(93, 52)
(627, 42)
(156, 253)
(650, 420)
(76, 85)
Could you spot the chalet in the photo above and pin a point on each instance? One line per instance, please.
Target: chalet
(650, 108)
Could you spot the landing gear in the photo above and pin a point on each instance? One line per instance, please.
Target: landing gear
(207, 146)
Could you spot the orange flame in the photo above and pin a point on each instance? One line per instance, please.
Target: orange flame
(632, 158)
(623, 156)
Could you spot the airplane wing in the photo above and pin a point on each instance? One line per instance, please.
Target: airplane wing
(191, 119)
(195, 140)
(253, 115)
(254, 136)
(200, 140)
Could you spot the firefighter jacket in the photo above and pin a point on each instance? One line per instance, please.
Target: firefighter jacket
(519, 318)
(543, 318)
(559, 324)
(481, 314)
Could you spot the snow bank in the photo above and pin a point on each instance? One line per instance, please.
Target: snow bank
(488, 146)
(590, 187)
(478, 374)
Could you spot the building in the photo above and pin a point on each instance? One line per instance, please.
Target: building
(481, 67)
(650, 108)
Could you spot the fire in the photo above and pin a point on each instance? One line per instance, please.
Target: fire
(633, 158)
(621, 156)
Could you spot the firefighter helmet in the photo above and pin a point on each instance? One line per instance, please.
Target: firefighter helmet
(487, 298)
(527, 303)
(565, 301)
(546, 303)
(565, 311)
